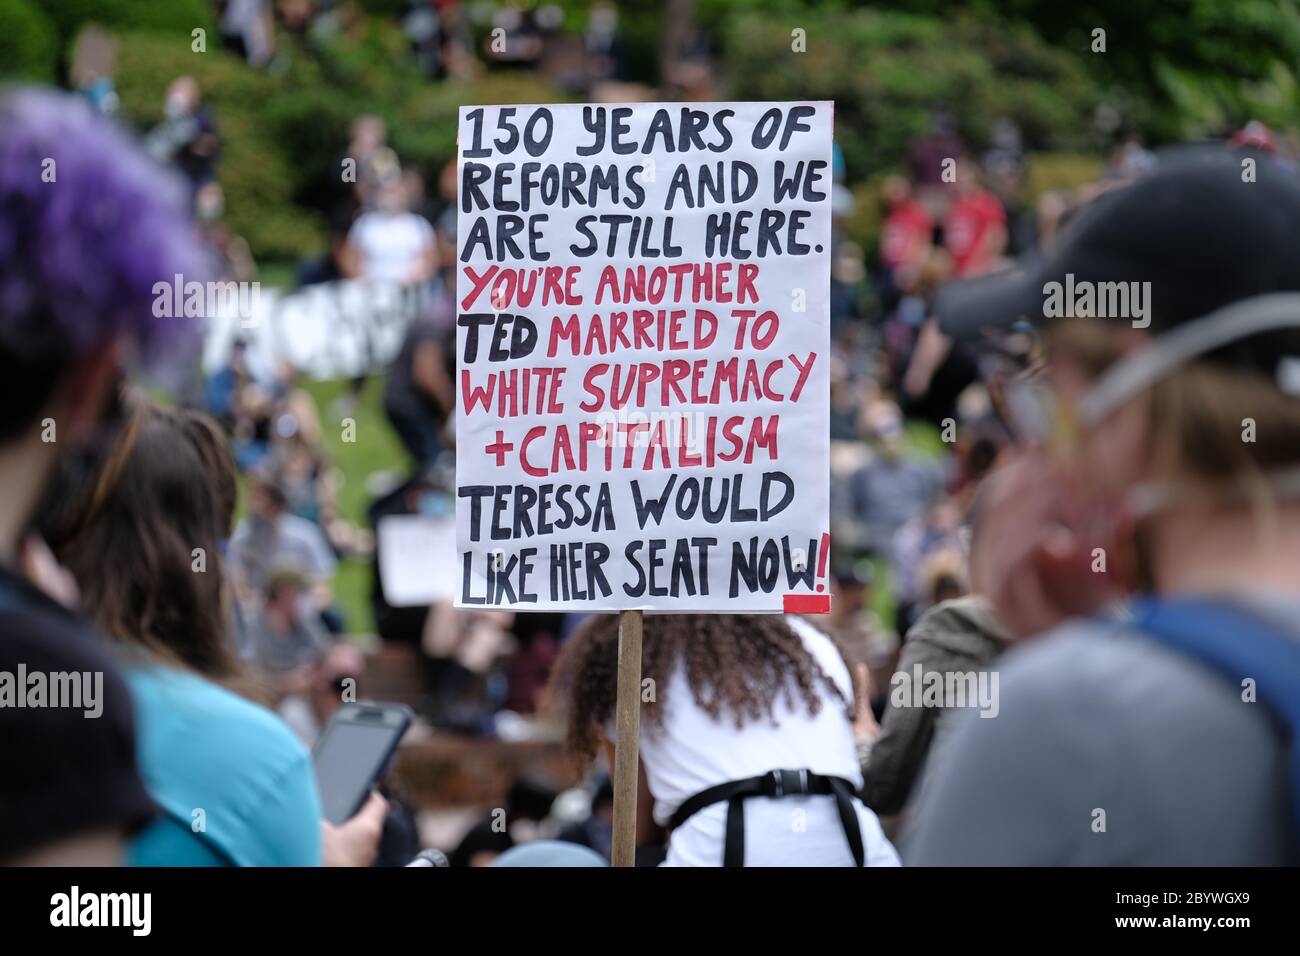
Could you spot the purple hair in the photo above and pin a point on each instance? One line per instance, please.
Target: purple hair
(80, 254)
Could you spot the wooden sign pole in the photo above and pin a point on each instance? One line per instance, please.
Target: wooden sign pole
(627, 743)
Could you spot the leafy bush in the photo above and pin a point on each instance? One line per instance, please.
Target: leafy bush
(886, 71)
(1060, 171)
(177, 17)
(283, 132)
(255, 172)
(384, 8)
(29, 44)
(340, 79)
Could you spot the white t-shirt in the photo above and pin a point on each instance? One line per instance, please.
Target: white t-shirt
(390, 243)
(691, 752)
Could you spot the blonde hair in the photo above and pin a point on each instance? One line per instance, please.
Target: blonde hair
(1218, 428)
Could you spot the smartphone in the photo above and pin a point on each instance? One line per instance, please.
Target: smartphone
(353, 753)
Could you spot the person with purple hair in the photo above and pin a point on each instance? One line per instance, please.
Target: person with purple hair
(90, 228)
(87, 226)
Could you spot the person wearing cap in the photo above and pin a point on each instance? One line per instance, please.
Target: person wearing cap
(87, 226)
(868, 645)
(271, 536)
(1147, 538)
(288, 639)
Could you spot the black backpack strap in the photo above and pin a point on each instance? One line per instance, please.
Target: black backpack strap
(774, 783)
(843, 791)
(1237, 642)
(750, 787)
(733, 850)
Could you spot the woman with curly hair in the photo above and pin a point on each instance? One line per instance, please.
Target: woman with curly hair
(746, 737)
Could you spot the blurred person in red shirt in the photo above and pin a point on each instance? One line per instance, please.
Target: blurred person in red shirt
(906, 233)
(975, 228)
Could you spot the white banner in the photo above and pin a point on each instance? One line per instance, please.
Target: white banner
(332, 330)
(643, 334)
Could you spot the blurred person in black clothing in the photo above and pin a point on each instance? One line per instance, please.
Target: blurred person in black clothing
(597, 831)
(527, 804)
(70, 790)
(419, 395)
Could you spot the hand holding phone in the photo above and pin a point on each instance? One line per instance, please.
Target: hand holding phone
(355, 843)
(353, 753)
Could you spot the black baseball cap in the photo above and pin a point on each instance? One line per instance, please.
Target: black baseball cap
(1209, 227)
(858, 573)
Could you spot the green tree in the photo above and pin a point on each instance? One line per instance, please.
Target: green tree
(887, 71)
(29, 44)
(1183, 67)
(177, 17)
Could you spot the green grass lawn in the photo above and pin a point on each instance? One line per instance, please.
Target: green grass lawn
(376, 448)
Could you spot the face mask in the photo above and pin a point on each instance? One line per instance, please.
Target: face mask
(433, 504)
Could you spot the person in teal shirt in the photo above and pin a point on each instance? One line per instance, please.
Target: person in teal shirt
(233, 785)
(232, 782)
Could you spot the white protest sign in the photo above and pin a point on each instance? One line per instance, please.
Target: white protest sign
(416, 556)
(332, 330)
(643, 334)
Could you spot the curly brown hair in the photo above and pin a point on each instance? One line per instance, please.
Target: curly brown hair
(735, 664)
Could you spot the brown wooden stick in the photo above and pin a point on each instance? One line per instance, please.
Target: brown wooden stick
(627, 743)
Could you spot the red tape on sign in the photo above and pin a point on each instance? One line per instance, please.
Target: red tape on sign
(806, 603)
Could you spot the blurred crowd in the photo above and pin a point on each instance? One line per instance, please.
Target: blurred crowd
(917, 424)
